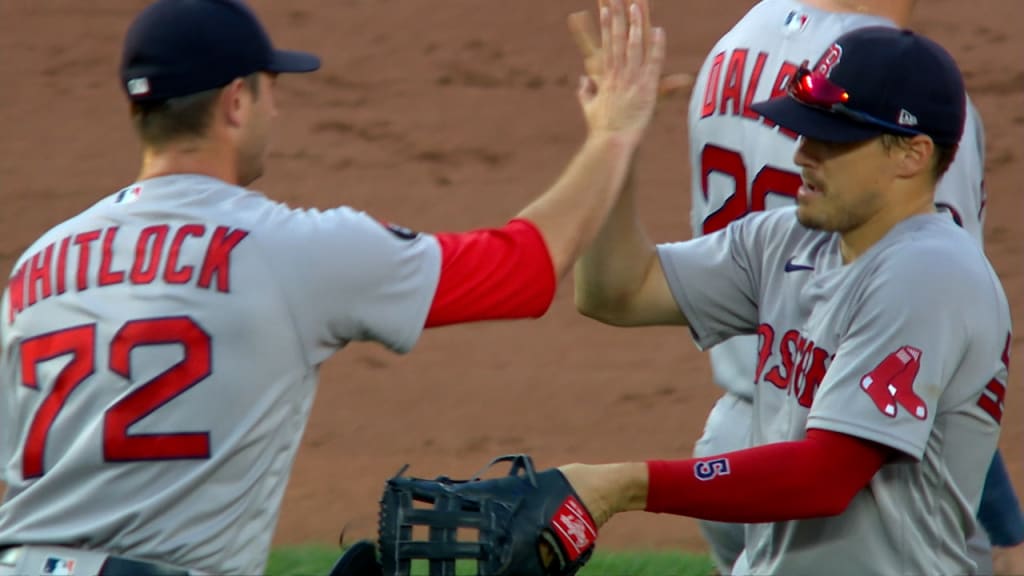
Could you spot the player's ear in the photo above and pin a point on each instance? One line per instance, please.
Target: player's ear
(234, 102)
(914, 155)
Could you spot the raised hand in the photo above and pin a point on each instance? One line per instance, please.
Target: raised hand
(620, 101)
(582, 29)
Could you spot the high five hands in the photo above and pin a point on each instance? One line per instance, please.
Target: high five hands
(582, 29)
(620, 91)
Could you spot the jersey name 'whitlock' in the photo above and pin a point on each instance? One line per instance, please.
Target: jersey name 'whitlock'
(155, 256)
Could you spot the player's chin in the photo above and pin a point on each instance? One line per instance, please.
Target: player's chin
(809, 217)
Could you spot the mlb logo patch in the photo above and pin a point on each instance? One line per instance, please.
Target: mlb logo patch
(795, 21)
(128, 195)
(56, 566)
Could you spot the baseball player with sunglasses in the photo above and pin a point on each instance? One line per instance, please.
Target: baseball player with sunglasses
(876, 407)
(741, 164)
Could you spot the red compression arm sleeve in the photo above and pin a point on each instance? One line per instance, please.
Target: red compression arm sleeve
(493, 274)
(815, 477)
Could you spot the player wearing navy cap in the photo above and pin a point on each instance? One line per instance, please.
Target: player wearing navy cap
(161, 348)
(876, 407)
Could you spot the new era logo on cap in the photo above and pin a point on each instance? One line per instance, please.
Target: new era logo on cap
(138, 86)
(906, 118)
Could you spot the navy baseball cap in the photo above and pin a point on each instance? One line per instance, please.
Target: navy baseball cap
(875, 81)
(179, 47)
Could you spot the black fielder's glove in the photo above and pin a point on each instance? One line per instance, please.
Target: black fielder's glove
(360, 559)
(527, 523)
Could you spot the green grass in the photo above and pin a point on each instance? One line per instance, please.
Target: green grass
(317, 561)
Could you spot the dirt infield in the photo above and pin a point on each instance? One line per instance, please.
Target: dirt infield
(449, 114)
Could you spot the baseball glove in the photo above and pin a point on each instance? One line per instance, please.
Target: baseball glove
(359, 560)
(527, 523)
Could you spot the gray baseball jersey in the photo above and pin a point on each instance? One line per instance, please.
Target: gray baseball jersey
(871, 349)
(160, 355)
(740, 163)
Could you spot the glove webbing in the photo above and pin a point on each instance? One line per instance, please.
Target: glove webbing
(445, 514)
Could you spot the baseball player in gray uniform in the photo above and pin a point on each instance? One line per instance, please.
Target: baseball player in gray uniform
(740, 164)
(160, 350)
(876, 408)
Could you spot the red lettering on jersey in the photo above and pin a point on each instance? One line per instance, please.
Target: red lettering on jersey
(108, 276)
(779, 87)
(728, 163)
(798, 360)
(40, 277)
(83, 241)
(781, 84)
(766, 339)
(144, 269)
(711, 90)
(218, 258)
(802, 366)
(992, 398)
(732, 88)
(771, 180)
(62, 264)
(172, 273)
(16, 293)
(39, 271)
(755, 79)
(789, 346)
(732, 91)
(807, 379)
(891, 383)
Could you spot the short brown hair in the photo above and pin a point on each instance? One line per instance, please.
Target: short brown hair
(185, 117)
(942, 157)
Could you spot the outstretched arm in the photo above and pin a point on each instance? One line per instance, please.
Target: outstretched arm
(619, 280)
(814, 477)
(618, 107)
(511, 272)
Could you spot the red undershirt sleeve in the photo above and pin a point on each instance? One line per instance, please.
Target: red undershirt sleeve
(493, 274)
(809, 478)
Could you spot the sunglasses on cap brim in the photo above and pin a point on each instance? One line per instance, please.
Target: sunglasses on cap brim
(818, 91)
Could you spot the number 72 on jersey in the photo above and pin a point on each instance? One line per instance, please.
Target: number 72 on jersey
(78, 345)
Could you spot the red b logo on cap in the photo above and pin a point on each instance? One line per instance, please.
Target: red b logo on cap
(829, 60)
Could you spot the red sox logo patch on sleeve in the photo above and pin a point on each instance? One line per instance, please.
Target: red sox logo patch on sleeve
(891, 383)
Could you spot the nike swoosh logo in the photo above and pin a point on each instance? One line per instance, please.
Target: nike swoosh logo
(790, 267)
